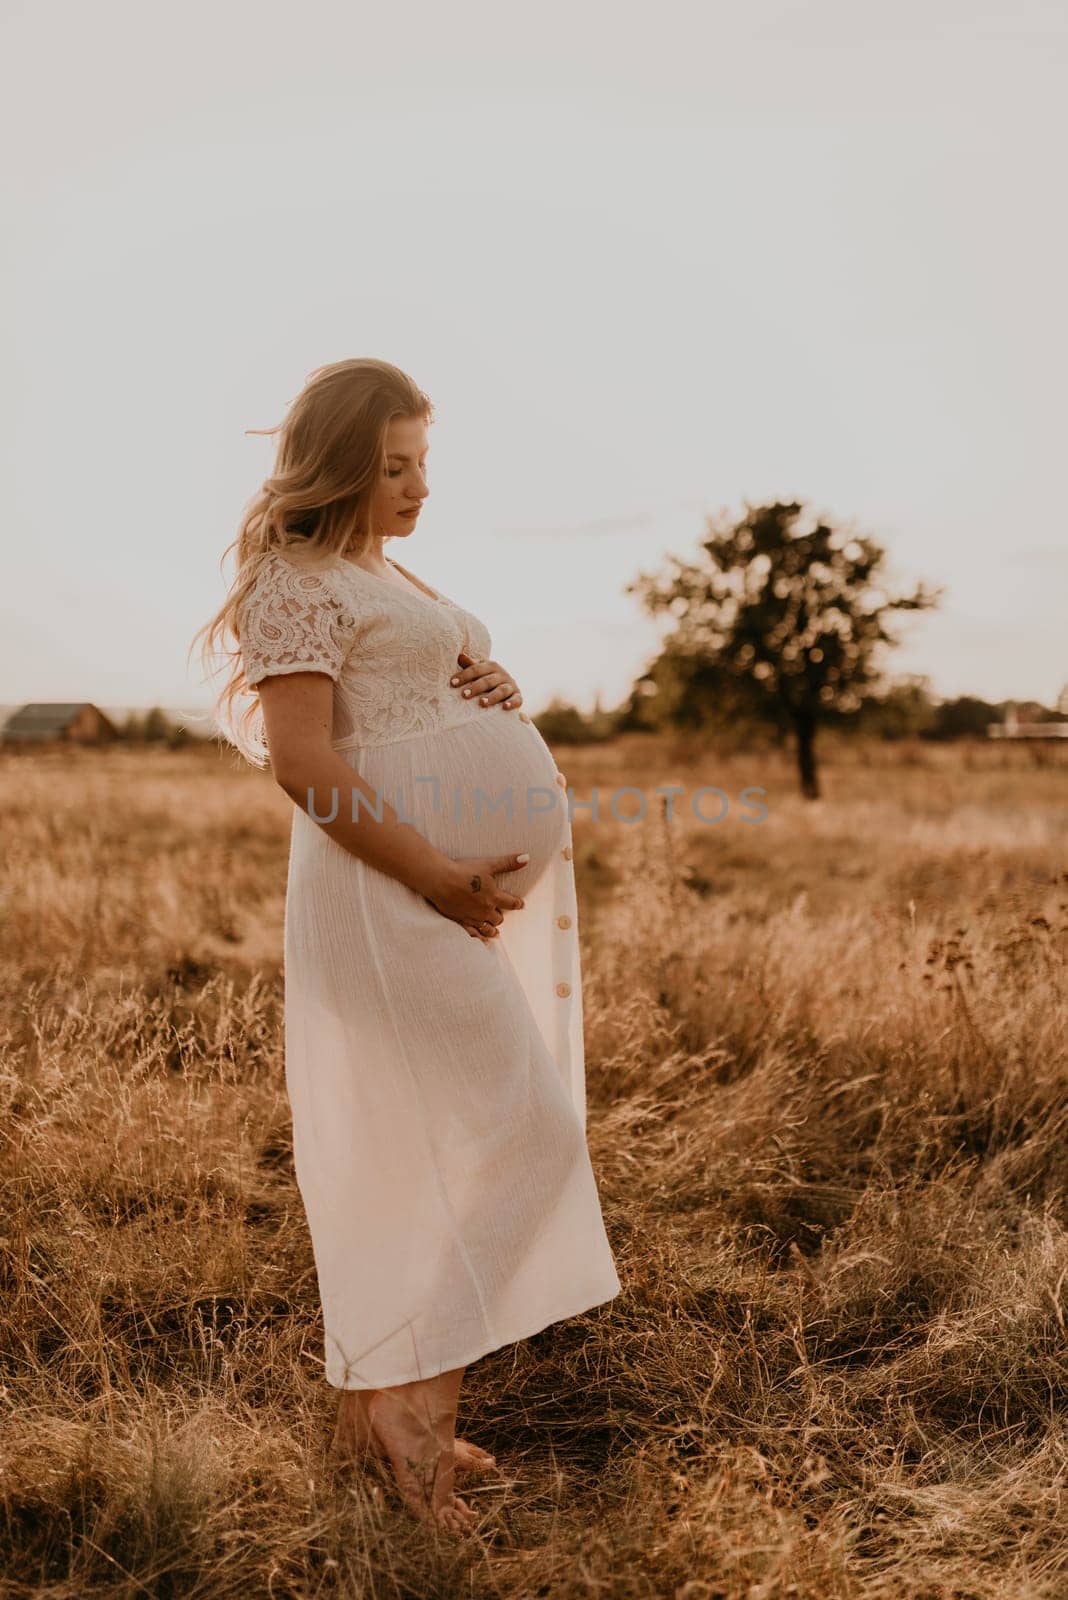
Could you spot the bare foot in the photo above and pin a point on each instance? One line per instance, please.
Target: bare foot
(420, 1452)
(353, 1437)
(472, 1458)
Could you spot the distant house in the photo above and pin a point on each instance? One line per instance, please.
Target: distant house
(49, 723)
(1013, 728)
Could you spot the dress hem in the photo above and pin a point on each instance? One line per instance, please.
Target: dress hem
(485, 1350)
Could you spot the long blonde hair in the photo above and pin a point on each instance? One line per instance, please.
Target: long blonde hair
(330, 456)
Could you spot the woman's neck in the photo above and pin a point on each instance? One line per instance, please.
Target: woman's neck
(374, 560)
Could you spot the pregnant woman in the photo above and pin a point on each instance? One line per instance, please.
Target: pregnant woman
(433, 1009)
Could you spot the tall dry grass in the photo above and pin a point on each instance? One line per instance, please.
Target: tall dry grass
(828, 1104)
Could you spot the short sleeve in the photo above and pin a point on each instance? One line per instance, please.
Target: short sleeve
(292, 620)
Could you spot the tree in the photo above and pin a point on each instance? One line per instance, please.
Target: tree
(904, 710)
(790, 611)
(157, 726)
(563, 723)
(683, 691)
(965, 716)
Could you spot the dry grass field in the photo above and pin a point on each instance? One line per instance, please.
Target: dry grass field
(828, 1111)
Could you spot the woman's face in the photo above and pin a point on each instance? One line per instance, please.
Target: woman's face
(402, 488)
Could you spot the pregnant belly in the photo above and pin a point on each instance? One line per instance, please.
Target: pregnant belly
(488, 787)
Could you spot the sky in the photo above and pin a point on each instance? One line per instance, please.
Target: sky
(649, 263)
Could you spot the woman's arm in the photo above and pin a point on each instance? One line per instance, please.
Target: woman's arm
(297, 714)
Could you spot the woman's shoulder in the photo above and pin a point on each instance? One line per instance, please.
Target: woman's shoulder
(295, 615)
(279, 575)
(283, 564)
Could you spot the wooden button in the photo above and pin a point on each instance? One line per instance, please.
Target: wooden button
(566, 852)
(563, 990)
(523, 717)
(563, 922)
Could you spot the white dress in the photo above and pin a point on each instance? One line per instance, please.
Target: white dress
(436, 1081)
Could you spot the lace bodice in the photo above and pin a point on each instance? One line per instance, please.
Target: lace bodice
(389, 648)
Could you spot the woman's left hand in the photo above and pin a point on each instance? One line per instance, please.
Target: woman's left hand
(488, 681)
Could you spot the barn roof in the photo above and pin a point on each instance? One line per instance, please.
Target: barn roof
(46, 717)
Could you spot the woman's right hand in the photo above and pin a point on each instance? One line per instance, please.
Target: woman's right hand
(467, 894)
